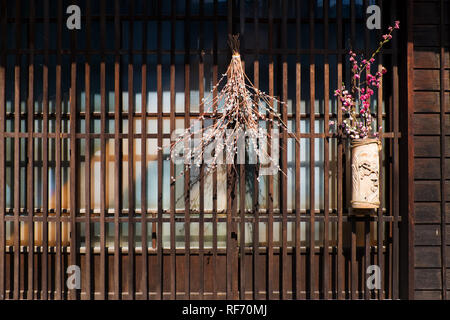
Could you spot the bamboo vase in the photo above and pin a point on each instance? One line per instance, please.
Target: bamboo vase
(365, 173)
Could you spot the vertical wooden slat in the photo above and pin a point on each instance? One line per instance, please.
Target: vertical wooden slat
(340, 269)
(256, 259)
(73, 157)
(269, 286)
(388, 168)
(326, 164)
(312, 97)
(367, 259)
(352, 23)
(354, 264)
(44, 274)
(242, 174)
(214, 186)
(230, 191)
(284, 165)
(381, 224)
(159, 285)
(187, 122)
(117, 150)
(30, 145)
(298, 76)
(144, 284)
(367, 219)
(242, 232)
(231, 181)
(230, 186)
(2, 146)
(18, 30)
(407, 144)
(131, 182)
(201, 90)
(395, 174)
(87, 158)
(443, 126)
(103, 249)
(173, 264)
(58, 190)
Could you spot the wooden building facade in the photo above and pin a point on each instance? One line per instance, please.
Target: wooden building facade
(83, 182)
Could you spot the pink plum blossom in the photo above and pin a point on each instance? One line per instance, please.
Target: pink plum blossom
(357, 122)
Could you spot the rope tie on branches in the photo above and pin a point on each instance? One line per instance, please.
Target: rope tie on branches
(362, 142)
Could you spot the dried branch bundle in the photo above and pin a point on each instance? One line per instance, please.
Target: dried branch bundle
(236, 111)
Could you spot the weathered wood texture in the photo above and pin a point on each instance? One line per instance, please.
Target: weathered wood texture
(82, 111)
(431, 127)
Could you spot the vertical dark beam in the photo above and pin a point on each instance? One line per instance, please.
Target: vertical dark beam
(232, 175)
(73, 156)
(284, 165)
(312, 97)
(256, 273)
(30, 145)
(131, 184)
(380, 224)
(242, 188)
(395, 173)
(299, 272)
(367, 219)
(326, 165)
(159, 285)
(214, 191)
(387, 96)
(187, 176)
(103, 249)
(117, 150)
(58, 261)
(340, 270)
(407, 159)
(443, 125)
(354, 263)
(269, 277)
(44, 275)
(352, 22)
(231, 181)
(87, 158)
(242, 269)
(230, 187)
(17, 155)
(144, 284)
(2, 146)
(201, 90)
(173, 287)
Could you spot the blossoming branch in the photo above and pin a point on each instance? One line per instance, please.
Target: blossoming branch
(356, 102)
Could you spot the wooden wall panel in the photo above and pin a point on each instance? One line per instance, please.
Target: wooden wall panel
(428, 101)
(427, 191)
(427, 234)
(425, 79)
(429, 57)
(432, 155)
(427, 169)
(429, 212)
(427, 257)
(428, 36)
(427, 279)
(428, 295)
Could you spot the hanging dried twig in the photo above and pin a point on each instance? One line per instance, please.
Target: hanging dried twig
(237, 110)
